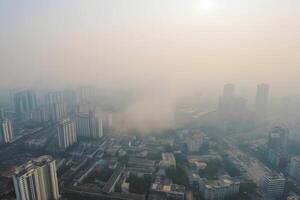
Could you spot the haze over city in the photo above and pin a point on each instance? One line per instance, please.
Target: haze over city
(150, 99)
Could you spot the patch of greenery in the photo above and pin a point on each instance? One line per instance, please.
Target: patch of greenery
(211, 170)
(178, 175)
(139, 185)
(230, 167)
(248, 187)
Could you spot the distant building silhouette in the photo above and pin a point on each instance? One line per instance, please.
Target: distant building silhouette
(262, 96)
(25, 102)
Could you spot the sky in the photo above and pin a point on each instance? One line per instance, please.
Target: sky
(175, 46)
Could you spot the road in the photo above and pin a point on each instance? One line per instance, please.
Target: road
(254, 168)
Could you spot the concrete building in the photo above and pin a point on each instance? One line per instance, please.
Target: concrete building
(194, 143)
(277, 146)
(168, 160)
(85, 94)
(36, 180)
(231, 108)
(89, 125)
(6, 131)
(56, 106)
(262, 96)
(219, 189)
(229, 90)
(273, 184)
(294, 167)
(25, 102)
(169, 191)
(66, 133)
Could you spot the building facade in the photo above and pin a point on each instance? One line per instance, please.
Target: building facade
(36, 180)
(66, 133)
(273, 184)
(25, 102)
(56, 106)
(262, 96)
(6, 131)
(277, 146)
(219, 189)
(194, 143)
(89, 125)
(294, 167)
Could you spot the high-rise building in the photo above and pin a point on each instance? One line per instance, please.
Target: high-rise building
(262, 96)
(36, 180)
(231, 107)
(85, 94)
(70, 100)
(277, 146)
(229, 91)
(25, 102)
(89, 125)
(6, 131)
(2, 115)
(194, 143)
(66, 133)
(294, 167)
(56, 106)
(273, 184)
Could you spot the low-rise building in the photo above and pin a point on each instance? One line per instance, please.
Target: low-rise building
(219, 189)
(168, 160)
(273, 184)
(170, 191)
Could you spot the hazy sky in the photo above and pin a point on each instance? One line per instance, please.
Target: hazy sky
(172, 44)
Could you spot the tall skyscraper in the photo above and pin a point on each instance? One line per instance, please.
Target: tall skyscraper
(229, 91)
(89, 125)
(85, 94)
(231, 107)
(66, 133)
(25, 102)
(262, 96)
(194, 143)
(277, 146)
(6, 131)
(36, 180)
(56, 106)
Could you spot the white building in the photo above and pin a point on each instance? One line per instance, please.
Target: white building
(273, 184)
(66, 133)
(56, 106)
(168, 160)
(194, 143)
(219, 189)
(36, 180)
(294, 167)
(6, 131)
(89, 125)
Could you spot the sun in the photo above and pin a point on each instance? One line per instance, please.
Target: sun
(206, 4)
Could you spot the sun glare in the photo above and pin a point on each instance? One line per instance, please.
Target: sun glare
(206, 4)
